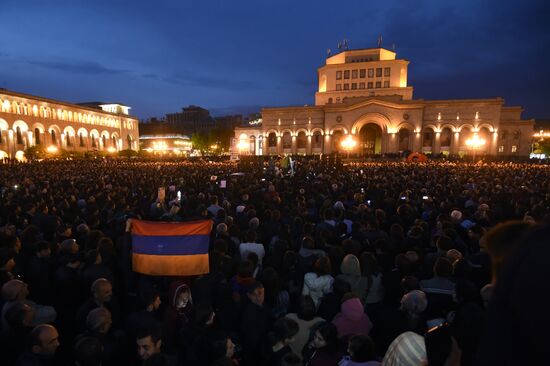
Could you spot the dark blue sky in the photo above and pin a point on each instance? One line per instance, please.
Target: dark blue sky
(237, 56)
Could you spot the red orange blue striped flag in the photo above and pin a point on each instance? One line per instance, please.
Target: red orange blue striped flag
(170, 248)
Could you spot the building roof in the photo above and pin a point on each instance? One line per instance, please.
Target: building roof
(49, 100)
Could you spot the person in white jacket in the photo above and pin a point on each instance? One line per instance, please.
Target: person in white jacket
(318, 283)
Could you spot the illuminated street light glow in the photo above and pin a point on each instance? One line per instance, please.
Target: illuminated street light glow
(111, 149)
(349, 143)
(52, 149)
(475, 142)
(242, 145)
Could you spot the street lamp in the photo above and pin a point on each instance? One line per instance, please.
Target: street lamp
(348, 144)
(241, 146)
(475, 142)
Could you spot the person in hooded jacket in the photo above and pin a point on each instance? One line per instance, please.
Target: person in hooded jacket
(352, 319)
(351, 273)
(178, 313)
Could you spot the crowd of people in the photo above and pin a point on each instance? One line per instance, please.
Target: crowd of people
(321, 263)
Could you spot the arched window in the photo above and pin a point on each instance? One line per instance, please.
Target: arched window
(104, 140)
(113, 140)
(81, 138)
(54, 137)
(302, 140)
(37, 136)
(93, 142)
(287, 140)
(68, 140)
(129, 138)
(317, 140)
(19, 135)
(272, 140)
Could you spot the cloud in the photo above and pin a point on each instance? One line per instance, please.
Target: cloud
(210, 82)
(78, 67)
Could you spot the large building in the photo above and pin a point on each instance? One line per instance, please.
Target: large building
(364, 100)
(27, 120)
(191, 119)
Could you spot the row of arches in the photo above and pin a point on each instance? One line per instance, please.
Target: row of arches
(46, 112)
(68, 137)
(374, 138)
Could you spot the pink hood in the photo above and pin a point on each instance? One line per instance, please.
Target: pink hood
(352, 309)
(352, 319)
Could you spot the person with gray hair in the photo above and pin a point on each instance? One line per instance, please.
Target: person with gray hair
(16, 291)
(99, 320)
(413, 304)
(102, 293)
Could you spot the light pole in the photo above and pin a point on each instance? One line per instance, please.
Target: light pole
(348, 144)
(475, 142)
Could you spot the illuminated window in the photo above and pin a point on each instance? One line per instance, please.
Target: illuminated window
(346, 86)
(361, 85)
(369, 85)
(378, 84)
(378, 72)
(338, 75)
(501, 149)
(338, 86)
(354, 74)
(387, 71)
(371, 73)
(514, 148)
(353, 86)
(386, 84)
(362, 73)
(346, 74)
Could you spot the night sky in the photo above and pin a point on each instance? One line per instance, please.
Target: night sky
(238, 56)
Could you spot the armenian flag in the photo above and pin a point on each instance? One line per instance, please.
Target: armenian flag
(170, 248)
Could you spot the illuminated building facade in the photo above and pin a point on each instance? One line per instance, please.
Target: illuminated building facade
(166, 144)
(363, 96)
(27, 120)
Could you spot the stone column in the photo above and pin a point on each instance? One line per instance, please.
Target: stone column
(494, 143)
(455, 141)
(437, 143)
(308, 146)
(327, 148)
(11, 144)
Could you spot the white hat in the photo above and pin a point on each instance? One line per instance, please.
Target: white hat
(240, 209)
(456, 215)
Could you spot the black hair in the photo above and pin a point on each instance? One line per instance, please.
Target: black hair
(203, 312)
(88, 351)
(151, 329)
(361, 348)
(149, 294)
(284, 328)
(306, 308)
(290, 359)
(329, 332)
(246, 269)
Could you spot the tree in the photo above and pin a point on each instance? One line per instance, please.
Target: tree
(200, 141)
(35, 152)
